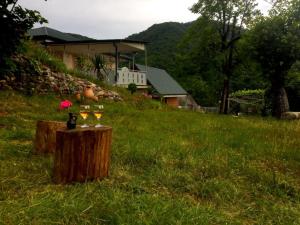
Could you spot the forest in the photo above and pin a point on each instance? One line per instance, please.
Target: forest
(232, 46)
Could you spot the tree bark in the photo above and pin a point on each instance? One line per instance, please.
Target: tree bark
(227, 72)
(280, 103)
(82, 154)
(45, 137)
(224, 99)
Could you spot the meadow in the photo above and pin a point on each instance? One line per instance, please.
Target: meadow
(167, 167)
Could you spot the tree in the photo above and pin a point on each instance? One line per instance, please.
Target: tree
(197, 62)
(276, 45)
(15, 21)
(292, 86)
(231, 17)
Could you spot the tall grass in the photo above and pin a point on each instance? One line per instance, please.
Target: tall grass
(167, 167)
(39, 54)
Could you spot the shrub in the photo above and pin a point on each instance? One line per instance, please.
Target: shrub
(254, 93)
(249, 101)
(132, 88)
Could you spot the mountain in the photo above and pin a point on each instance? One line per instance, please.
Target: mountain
(163, 39)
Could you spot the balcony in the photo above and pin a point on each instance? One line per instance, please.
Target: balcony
(126, 77)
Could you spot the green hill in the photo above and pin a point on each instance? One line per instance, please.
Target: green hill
(163, 39)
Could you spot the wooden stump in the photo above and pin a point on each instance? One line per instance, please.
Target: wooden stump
(82, 154)
(45, 137)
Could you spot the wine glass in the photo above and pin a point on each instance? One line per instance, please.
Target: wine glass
(98, 112)
(84, 113)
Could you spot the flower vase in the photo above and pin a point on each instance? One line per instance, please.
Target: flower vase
(88, 93)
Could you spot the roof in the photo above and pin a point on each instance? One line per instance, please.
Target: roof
(95, 41)
(55, 35)
(162, 81)
(63, 38)
(78, 44)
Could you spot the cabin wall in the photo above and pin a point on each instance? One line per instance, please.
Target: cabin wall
(69, 60)
(172, 101)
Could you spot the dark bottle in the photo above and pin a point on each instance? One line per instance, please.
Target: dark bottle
(71, 124)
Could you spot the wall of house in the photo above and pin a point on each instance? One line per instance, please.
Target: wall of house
(59, 55)
(69, 60)
(172, 101)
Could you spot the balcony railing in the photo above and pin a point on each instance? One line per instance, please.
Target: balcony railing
(126, 77)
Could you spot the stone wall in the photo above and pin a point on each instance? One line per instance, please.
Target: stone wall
(47, 81)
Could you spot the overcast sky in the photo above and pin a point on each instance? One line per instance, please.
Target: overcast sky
(106, 19)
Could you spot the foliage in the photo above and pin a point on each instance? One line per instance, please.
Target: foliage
(241, 93)
(248, 101)
(142, 102)
(202, 92)
(198, 63)
(15, 21)
(84, 64)
(99, 63)
(229, 18)
(247, 73)
(275, 42)
(38, 53)
(161, 48)
(80, 62)
(132, 88)
(194, 60)
(220, 170)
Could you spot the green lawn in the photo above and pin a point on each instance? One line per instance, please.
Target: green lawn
(168, 167)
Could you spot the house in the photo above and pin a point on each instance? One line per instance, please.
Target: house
(69, 46)
(164, 86)
(161, 84)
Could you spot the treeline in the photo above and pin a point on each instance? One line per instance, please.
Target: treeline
(243, 50)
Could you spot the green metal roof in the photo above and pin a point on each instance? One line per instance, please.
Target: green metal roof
(46, 32)
(162, 81)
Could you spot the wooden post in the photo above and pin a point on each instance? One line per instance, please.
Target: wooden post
(82, 154)
(45, 136)
(116, 61)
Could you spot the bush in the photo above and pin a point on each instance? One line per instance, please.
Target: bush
(250, 93)
(248, 101)
(132, 88)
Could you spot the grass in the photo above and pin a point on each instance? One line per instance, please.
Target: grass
(41, 56)
(168, 167)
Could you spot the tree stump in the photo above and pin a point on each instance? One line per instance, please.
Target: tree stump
(82, 154)
(45, 137)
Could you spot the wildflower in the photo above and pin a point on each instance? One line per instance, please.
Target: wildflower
(65, 104)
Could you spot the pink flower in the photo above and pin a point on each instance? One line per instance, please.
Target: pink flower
(65, 104)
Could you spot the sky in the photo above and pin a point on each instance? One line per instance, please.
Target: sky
(109, 19)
